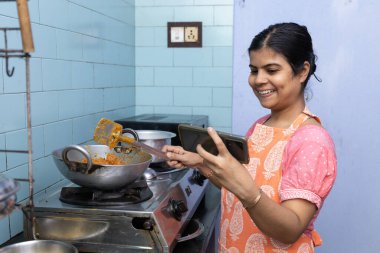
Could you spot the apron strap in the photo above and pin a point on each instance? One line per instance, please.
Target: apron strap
(317, 240)
(305, 115)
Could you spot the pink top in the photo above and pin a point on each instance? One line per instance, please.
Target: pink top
(309, 165)
(296, 162)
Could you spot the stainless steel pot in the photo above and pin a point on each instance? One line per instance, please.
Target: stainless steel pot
(40, 246)
(154, 138)
(103, 177)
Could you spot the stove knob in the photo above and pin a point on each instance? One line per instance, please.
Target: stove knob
(198, 178)
(177, 208)
(142, 223)
(148, 225)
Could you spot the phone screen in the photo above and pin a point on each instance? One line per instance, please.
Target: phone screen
(191, 136)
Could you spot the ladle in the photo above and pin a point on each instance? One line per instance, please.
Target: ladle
(108, 132)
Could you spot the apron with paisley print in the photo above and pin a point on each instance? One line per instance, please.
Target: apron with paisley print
(238, 233)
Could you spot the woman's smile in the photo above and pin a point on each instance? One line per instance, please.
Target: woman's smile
(265, 93)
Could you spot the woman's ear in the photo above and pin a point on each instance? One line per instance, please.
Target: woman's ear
(304, 72)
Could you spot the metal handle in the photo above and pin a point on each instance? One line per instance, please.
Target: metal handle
(84, 152)
(35, 235)
(26, 30)
(14, 151)
(131, 131)
(197, 233)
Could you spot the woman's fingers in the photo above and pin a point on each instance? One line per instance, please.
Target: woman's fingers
(178, 165)
(174, 149)
(217, 140)
(204, 154)
(222, 150)
(171, 152)
(182, 157)
(175, 156)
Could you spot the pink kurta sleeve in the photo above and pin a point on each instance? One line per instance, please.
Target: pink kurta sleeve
(309, 165)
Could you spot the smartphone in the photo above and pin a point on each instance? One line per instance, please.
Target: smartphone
(191, 136)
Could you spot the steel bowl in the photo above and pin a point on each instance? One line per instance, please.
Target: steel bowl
(40, 246)
(69, 228)
(102, 177)
(154, 138)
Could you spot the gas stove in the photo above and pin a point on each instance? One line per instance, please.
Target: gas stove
(149, 216)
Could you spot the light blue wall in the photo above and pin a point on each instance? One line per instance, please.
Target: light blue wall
(346, 41)
(100, 59)
(185, 80)
(83, 69)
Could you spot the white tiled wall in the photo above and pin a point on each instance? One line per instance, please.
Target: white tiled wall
(82, 69)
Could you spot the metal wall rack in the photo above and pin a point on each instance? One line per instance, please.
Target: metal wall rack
(7, 53)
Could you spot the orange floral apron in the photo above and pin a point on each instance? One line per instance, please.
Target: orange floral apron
(238, 233)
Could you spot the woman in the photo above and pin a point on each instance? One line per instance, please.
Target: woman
(270, 204)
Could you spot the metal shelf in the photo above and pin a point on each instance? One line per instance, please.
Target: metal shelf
(28, 46)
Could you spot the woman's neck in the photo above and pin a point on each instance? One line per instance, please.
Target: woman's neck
(285, 117)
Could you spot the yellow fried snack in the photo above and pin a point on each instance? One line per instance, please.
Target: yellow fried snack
(110, 159)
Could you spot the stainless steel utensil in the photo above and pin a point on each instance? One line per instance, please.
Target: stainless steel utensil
(103, 177)
(153, 138)
(14, 151)
(108, 132)
(40, 246)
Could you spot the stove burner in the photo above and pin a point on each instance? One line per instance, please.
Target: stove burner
(134, 193)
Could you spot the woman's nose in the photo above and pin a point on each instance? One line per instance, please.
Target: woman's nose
(261, 78)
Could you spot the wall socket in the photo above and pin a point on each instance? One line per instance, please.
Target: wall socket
(191, 34)
(184, 34)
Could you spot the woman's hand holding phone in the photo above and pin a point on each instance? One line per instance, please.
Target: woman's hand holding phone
(224, 169)
(180, 158)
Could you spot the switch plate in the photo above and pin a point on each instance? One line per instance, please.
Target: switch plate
(177, 34)
(184, 34)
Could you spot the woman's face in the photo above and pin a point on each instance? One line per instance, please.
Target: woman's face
(273, 81)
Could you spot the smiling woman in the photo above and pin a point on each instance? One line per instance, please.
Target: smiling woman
(279, 70)
(270, 204)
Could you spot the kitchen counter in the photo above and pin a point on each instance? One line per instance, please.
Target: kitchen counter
(207, 213)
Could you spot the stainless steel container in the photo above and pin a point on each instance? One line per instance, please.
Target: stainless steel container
(40, 246)
(105, 177)
(154, 138)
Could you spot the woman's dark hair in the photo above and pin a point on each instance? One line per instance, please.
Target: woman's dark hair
(292, 41)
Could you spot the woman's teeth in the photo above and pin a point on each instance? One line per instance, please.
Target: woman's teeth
(265, 92)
